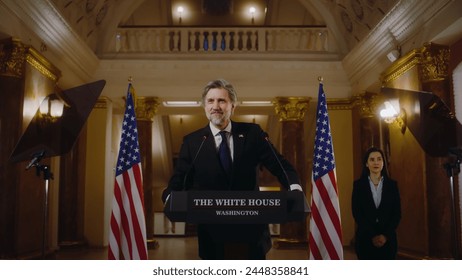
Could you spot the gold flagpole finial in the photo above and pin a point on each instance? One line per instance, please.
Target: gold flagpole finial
(130, 79)
(320, 79)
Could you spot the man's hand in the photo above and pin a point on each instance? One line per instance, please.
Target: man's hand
(296, 187)
(379, 240)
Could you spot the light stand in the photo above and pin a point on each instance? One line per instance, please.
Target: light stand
(51, 138)
(452, 169)
(47, 176)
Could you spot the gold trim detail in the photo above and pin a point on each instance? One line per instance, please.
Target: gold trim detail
(367, 104)
(13, 54)
(432, 60)
(291, 108)
(435, 60)
(101, 103)
(42, 65)
(12, 57)
(339, 104)
(146, 107)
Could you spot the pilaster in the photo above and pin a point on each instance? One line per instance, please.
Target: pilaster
(146, 108)
(291, 112)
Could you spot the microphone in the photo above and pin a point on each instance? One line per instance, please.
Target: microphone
(265, 135)
(193, 161)
(456, 151)
(37, 157)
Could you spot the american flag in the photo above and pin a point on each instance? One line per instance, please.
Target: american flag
(325, 228)
(127, 234)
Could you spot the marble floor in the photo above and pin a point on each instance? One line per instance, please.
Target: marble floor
(180, 248)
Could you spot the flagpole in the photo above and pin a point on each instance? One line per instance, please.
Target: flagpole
(127, 234)
(325, 239)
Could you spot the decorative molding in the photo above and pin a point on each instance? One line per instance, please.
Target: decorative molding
(367, 104)
(432, 61)
(339, 104)
(39, 62)
(12, 57)
(14, 53)
(291, 108)
(45, 21)
(101, 103)
(401, 66)
(368, 58)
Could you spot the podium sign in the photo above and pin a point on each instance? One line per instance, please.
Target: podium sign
(234, 207)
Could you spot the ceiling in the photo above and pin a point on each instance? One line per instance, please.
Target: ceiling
(75, 36)
(349, 21)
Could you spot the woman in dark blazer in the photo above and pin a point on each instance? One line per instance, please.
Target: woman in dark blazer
(376, 209)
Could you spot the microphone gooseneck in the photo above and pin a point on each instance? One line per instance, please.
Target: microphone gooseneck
(193, 161)
(36, 159)
(265, 135)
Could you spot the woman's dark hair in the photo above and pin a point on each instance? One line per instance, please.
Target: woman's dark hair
(365, 172)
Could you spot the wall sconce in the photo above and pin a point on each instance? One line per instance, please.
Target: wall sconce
(180, 11)
(252, 11)
(51, 108)
(391, 116)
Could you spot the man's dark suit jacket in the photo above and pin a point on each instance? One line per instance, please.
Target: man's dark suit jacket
(372, 221)
(206, 173)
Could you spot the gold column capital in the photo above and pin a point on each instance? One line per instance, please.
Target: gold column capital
(14, 54)
(146, 107)
(102, 102)
(367, 103)
(291, 108)
(12, 58)
(432, 61)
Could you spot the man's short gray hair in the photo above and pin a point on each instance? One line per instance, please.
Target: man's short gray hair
(220, 83)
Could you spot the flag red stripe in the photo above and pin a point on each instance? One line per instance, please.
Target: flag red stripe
(116, 233)
(127, 236)
(328, 244)
(326, 199)
(314, 248)
(325, 224)
(138, 236)
(126, 210)
(335, 217)
(333, 181)
(115, 229)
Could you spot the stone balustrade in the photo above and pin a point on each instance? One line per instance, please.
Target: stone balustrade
(216, 39)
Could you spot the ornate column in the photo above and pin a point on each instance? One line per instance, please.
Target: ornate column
(291, 112)
(146, 108)
(442, 196)
(432, 228)
(26, 78)
(365, 107)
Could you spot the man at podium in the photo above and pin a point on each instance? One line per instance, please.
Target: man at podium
(226, 155)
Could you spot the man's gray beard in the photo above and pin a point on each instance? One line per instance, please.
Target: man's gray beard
(217, 121)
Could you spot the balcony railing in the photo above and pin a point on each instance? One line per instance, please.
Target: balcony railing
(224, 40)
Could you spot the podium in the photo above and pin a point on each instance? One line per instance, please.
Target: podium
(236, 207)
